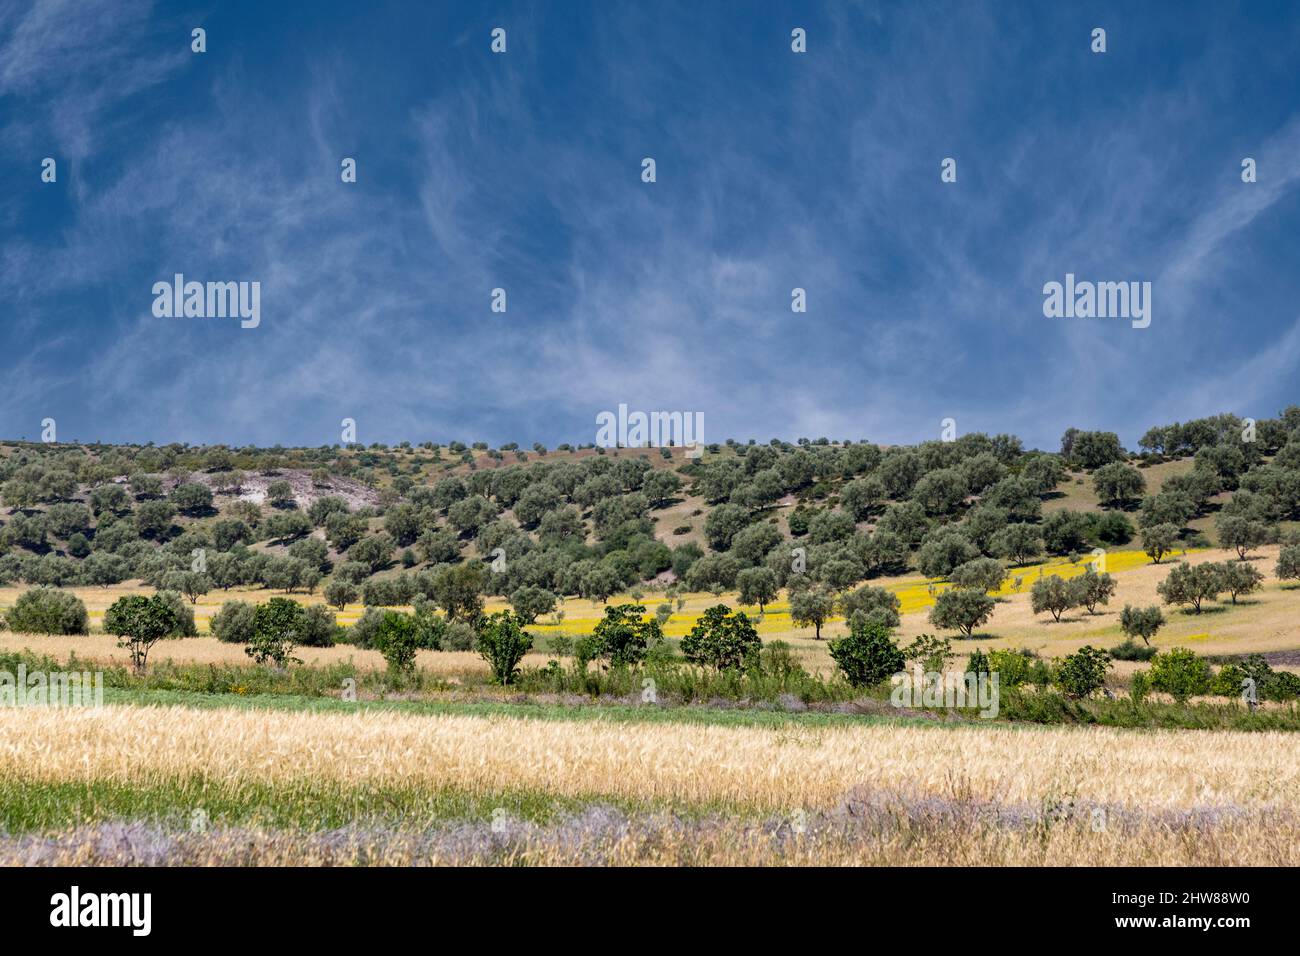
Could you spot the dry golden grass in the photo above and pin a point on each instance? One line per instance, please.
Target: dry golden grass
(776, 768)
(666, 842)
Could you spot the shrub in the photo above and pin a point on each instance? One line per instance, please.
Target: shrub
(1180, 673)
(1083, 673)
(867, 655)
(1131, 650)
(398, 639)
(1016, 667)
(1139, 686)
(233, 624)
(319, 627)
(362, 633)
(933, 652)
(45, 610)
(459, 636)
(721, 639)
(503, 643)
(141, 622)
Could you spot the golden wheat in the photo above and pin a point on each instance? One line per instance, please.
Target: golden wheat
(762, 767)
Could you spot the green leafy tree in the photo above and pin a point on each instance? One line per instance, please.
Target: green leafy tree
(757, 586)
(623, 636)
(139, 623)
(531, 602)
(962, 609)
(503, 643)
(1053, 594)
(721, 639)
(458, 590)
(1158, 540)
(811, 606)
(1091, 589)
(398, 638)
(1017, 543)
(1239, 578)
(982, 574)
(1191, 584)
(1240, 533)
(1288, 563)
(1118, 483)
(1141, 622)
(867, 655)
(278, 627)
(1083, 673)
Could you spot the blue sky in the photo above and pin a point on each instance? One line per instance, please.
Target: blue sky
(522, 171)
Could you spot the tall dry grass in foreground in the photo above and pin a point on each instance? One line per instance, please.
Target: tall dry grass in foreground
(777, 769)
(887, 832)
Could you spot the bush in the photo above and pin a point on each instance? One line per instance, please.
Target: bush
(1139, 686)
(185, 626)
(398, 639)
(363, 632)
(503, 643)
(319, 627)
(1131, 650)
(1083, 673)
(867, 655)
(721, 639)
(1017, 667)
(459, 636)
(233, 624)
(1180, 673)
(48, 611)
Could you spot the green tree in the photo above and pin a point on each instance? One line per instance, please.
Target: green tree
(721, 639)
(141, 622)
(398, 638)
(962, 609)
(278, 627)
(623, 636)
(1053, 594)
(458, 590)
(1090, 589)
(757, 586)
(1083, 673)
(1241, 533)
(1141, 622)
(1239, 578)
(503, 643)
(1191, 584)
(1117, 483)
(1158, 540)
(812, 606)
(867, 655)
(531, 602)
